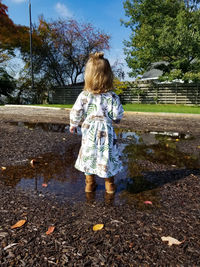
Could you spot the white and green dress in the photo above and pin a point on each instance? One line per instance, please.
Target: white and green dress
(98, 153)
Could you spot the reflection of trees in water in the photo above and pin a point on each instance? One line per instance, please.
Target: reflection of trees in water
(164, 152)
(143, 182)
(48, 166)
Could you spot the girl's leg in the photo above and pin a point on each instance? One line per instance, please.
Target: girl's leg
(110, 185)
(90, 183)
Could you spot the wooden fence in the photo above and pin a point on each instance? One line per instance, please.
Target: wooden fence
(65, 95)
(148, 93)
(188, 94)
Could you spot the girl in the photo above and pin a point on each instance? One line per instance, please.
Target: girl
(98, 106)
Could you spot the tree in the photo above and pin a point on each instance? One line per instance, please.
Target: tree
(10, 34)
(7, 83)
(163, 30)
(61, 49)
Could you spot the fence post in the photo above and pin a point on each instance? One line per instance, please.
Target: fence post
(196, 100)
(156, 95)
(176, 94)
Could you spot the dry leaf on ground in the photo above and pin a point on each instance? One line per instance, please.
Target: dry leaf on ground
(148, 202)
(171, 240)
(18, 224)
(3, 168)
(50, 230)
(33, 162)
(98, 227)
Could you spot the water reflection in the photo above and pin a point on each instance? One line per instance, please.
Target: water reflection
(47, 127)
(140, 181)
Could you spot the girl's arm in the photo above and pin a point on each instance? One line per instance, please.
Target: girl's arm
(76, 114)
(118, 110)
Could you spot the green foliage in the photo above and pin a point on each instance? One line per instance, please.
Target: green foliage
(163, 30)
(7, 83)
(191, 76)
(119, 86)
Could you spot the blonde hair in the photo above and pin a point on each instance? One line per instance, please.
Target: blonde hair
(98, 74)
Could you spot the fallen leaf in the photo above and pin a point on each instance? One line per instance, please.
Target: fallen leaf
(171, 240)
(18, 224)
(3, 168)
(131, 245)
(177, 140)
(50, 230)
(148, 202)
(33, 162)
(44, 185)
(198, 147)
(98, 227)
(187, 157)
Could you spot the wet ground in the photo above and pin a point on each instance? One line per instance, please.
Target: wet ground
(157, 195)
(53, 172)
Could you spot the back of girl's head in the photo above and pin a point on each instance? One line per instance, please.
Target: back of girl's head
(98, 74)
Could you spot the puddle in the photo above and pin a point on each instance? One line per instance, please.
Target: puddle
(142, 155)
(47, 127)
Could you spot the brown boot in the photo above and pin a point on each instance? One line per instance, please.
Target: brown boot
(109, 185)
(90, 183)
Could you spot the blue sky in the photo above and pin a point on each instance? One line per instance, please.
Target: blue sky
(104, 15)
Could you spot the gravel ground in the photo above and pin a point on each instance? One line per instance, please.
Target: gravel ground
(132, 233)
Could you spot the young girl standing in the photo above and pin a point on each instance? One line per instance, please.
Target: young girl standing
(98, 107)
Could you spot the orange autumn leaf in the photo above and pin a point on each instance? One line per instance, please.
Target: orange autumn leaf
(98, 227)
(18, 224)
(50, 230)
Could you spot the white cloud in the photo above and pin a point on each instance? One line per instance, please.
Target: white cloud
(63, 11)
(18, 1)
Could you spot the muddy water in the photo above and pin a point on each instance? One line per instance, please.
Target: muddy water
(150, 160)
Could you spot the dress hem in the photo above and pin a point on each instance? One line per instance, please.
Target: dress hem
(90, 171)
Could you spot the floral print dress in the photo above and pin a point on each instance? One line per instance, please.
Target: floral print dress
(98, 153)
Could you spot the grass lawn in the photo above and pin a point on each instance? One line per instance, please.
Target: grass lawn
(162, 108)
(55, 106)
(149, 108)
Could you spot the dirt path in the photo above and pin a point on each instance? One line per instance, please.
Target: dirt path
(135, 120)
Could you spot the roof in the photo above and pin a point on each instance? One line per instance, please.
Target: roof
(154, 71)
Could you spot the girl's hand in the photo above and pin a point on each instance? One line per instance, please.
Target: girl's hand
(73, 129)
